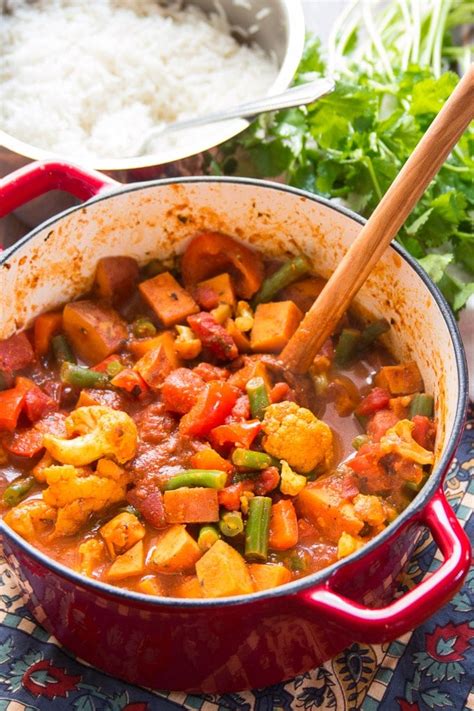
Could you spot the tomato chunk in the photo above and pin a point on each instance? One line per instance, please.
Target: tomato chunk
(213, 336)
(181, 390)
(377, 399)
(229, 497)
(424, 432)
(380, 423)
(213, 405)
(16, 352)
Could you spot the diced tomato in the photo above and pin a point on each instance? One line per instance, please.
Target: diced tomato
(213, 336)
(102, 366)
(181, 390)
(377, 399)
(380, 423)
(130, 381)
(11, 404)
(424, 432)
(229, 497)
(37, 403)
(55, 424)
(213, 405)
(240, 434)
(267, 481)
(279, 392)
(209, 372)
(16, 352)
(367, 466)
(25, 442)
(150, 505)
(241, 410)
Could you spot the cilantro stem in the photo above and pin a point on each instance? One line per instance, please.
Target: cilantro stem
(373, 177)
(415, 48)
(376, 39)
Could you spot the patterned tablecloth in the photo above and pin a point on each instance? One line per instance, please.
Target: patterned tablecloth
(430, 668)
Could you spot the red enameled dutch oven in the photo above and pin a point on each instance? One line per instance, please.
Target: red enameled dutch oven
(261, 639)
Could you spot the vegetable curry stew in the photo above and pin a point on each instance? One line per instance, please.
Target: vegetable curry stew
(151, 439)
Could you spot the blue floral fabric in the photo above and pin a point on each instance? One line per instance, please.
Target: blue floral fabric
(429, 668)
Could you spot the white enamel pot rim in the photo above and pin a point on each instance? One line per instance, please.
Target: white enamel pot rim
(412, 512)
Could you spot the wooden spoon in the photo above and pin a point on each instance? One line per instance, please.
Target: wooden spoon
(374, 238)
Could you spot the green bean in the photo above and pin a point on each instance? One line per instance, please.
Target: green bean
(153, 268)
(62, 350)
(231, 523)
(250, 460)
(143, 328)
(422, 404)
(244, 476)
(208, 535)
(359, 441)
(346, 346)
(80, 377)
(17, 490)
(258, 397)
(256, 530)
(287, 274)
(372, 332)
(362, 420)
(209, 478)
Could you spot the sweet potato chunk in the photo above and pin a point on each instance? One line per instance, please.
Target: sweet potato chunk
(175, 552)
(121, 533)
(45, 327)
(150, 585)
(115, 278)
(268, 576)
(328, 511)
(191, 505)
(130, 563)
(94, 330)
(189, 588)
(171, 303)
(165, 339)
(222, 572)
(274, 325)
(402, 379)
(154, 367)
(218, 290)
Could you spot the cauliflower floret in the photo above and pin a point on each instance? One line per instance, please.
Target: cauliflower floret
(297, 436)
(399, 439)
(30, 518)
(291, 483)
(91, 555)
(102, 432)
(76, 493)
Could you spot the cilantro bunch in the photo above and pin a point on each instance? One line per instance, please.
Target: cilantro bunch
(351, 144)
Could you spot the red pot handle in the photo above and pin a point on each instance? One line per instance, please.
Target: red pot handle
(40, 177)
(385, 623)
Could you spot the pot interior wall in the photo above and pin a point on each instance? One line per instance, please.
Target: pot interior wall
(157, 220)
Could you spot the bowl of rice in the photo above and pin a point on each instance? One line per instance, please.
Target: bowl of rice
(83, 81)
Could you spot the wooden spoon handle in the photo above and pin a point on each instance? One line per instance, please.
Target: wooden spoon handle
(384, 223)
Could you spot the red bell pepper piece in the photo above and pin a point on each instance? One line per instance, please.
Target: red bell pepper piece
(11, 405)
(130, 381)
(377, 399)
(213, 336)
(214, 403)
(240, 434)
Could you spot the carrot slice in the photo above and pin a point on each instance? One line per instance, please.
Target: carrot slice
(283, 526)
(211, 253)
(45, 327)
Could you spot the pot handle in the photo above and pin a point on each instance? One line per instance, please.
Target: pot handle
(404, 614)
(40, 177)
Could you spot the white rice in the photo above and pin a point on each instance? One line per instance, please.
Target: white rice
(87, 79)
